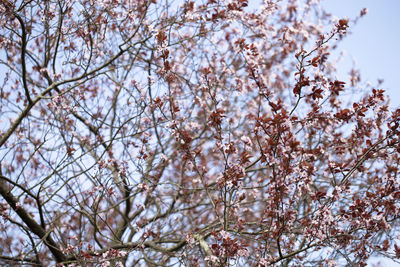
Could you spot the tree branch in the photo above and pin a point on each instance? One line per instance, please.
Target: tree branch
(31, 223)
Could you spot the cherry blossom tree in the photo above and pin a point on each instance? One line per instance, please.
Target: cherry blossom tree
(190, 133)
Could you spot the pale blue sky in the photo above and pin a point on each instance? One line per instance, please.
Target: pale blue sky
(374, 43)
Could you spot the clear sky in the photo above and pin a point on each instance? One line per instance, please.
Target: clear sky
(374, 44)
